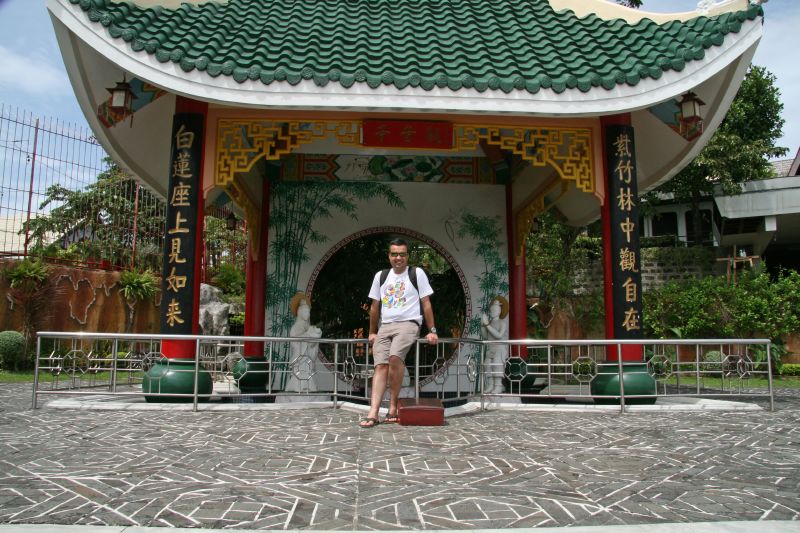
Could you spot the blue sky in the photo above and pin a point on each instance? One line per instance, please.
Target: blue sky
(32, 75)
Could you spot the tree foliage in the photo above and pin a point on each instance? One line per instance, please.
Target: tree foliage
(97, 222)
(225, 248)
(738, 151)
(556, 252)
(631, 3)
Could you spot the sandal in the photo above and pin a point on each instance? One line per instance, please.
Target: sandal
(368, 422)
(391, 419)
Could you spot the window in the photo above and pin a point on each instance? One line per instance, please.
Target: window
(665, 224)
(705, 227)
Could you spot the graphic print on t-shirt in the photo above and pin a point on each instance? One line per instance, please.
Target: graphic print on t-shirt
(394, 295)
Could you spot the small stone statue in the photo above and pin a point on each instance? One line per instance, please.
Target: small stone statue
(303, 354)
(213, 311)
(494, 328)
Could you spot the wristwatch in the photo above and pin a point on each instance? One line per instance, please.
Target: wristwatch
(432, 330)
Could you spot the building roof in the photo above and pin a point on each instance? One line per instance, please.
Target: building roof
(490, 62)
(781, 167)
(503, 45)
(787, 167)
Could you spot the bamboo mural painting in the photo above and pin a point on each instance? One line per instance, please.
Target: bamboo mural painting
(492, 281)
(295, 207)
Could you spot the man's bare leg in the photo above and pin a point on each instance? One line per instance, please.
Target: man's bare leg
(397, 370)
(378, 390)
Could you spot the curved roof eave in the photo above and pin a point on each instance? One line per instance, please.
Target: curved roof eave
(78, 75)
(307, 95)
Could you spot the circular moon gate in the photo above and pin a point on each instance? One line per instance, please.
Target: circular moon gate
(440, 370)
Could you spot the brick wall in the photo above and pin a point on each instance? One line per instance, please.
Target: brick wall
(654, 273)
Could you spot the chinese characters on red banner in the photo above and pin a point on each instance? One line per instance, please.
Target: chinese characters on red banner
(407, 134)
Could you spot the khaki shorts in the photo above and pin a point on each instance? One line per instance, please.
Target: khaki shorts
(394, 338)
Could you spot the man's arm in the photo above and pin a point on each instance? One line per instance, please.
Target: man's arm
(374, 311)
(427, 312)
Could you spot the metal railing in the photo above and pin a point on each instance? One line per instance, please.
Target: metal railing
(566, 369)
(453, 370)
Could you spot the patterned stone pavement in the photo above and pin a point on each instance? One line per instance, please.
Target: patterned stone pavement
(314, 469)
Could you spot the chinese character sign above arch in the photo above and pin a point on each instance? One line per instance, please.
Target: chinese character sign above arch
(243, 142)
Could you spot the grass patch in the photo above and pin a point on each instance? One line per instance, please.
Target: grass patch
(778, 382)
(99, 378)
(16, 377)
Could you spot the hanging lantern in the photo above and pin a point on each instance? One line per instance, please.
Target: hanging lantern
(691, 121)
(231, 222)
(121, 96)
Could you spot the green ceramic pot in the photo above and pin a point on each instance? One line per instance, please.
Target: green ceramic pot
(175, 376)
(635, 378)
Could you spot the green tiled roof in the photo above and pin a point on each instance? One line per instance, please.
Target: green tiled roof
(480, 44)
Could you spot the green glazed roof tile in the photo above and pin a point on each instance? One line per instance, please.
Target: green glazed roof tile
(503, 45)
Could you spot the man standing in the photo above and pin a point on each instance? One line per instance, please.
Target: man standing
(400, 299)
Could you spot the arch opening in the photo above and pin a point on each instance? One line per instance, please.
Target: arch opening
(340, 284)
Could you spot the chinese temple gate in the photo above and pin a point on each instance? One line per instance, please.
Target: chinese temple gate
(424, 114)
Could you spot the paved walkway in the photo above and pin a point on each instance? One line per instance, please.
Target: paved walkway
(314, 469)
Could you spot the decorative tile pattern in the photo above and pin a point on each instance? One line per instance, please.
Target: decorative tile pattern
(315, 469)
(506, 45)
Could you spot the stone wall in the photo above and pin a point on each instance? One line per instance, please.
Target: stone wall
(590, 278)
(81, 300)
(654, 274)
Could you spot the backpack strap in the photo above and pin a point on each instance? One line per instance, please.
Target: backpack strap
(412, 276)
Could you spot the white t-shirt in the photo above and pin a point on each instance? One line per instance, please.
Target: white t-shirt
(398, 297)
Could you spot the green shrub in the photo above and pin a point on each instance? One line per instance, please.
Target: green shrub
(26, 275)
(137, 286)
(712, 307)
(790, 370)
(12, 350)
(236, 319)
(229, 279)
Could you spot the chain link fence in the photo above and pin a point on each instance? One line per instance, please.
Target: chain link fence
(64, 200)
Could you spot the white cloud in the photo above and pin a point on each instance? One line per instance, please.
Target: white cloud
(30, 74)
(777, 52)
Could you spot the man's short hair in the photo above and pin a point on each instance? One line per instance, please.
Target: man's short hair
(397, 241)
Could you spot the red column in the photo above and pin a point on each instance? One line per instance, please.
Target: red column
(518, 305)
(186, 349)
(255, 295)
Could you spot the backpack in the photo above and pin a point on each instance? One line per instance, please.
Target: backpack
(412, 276)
